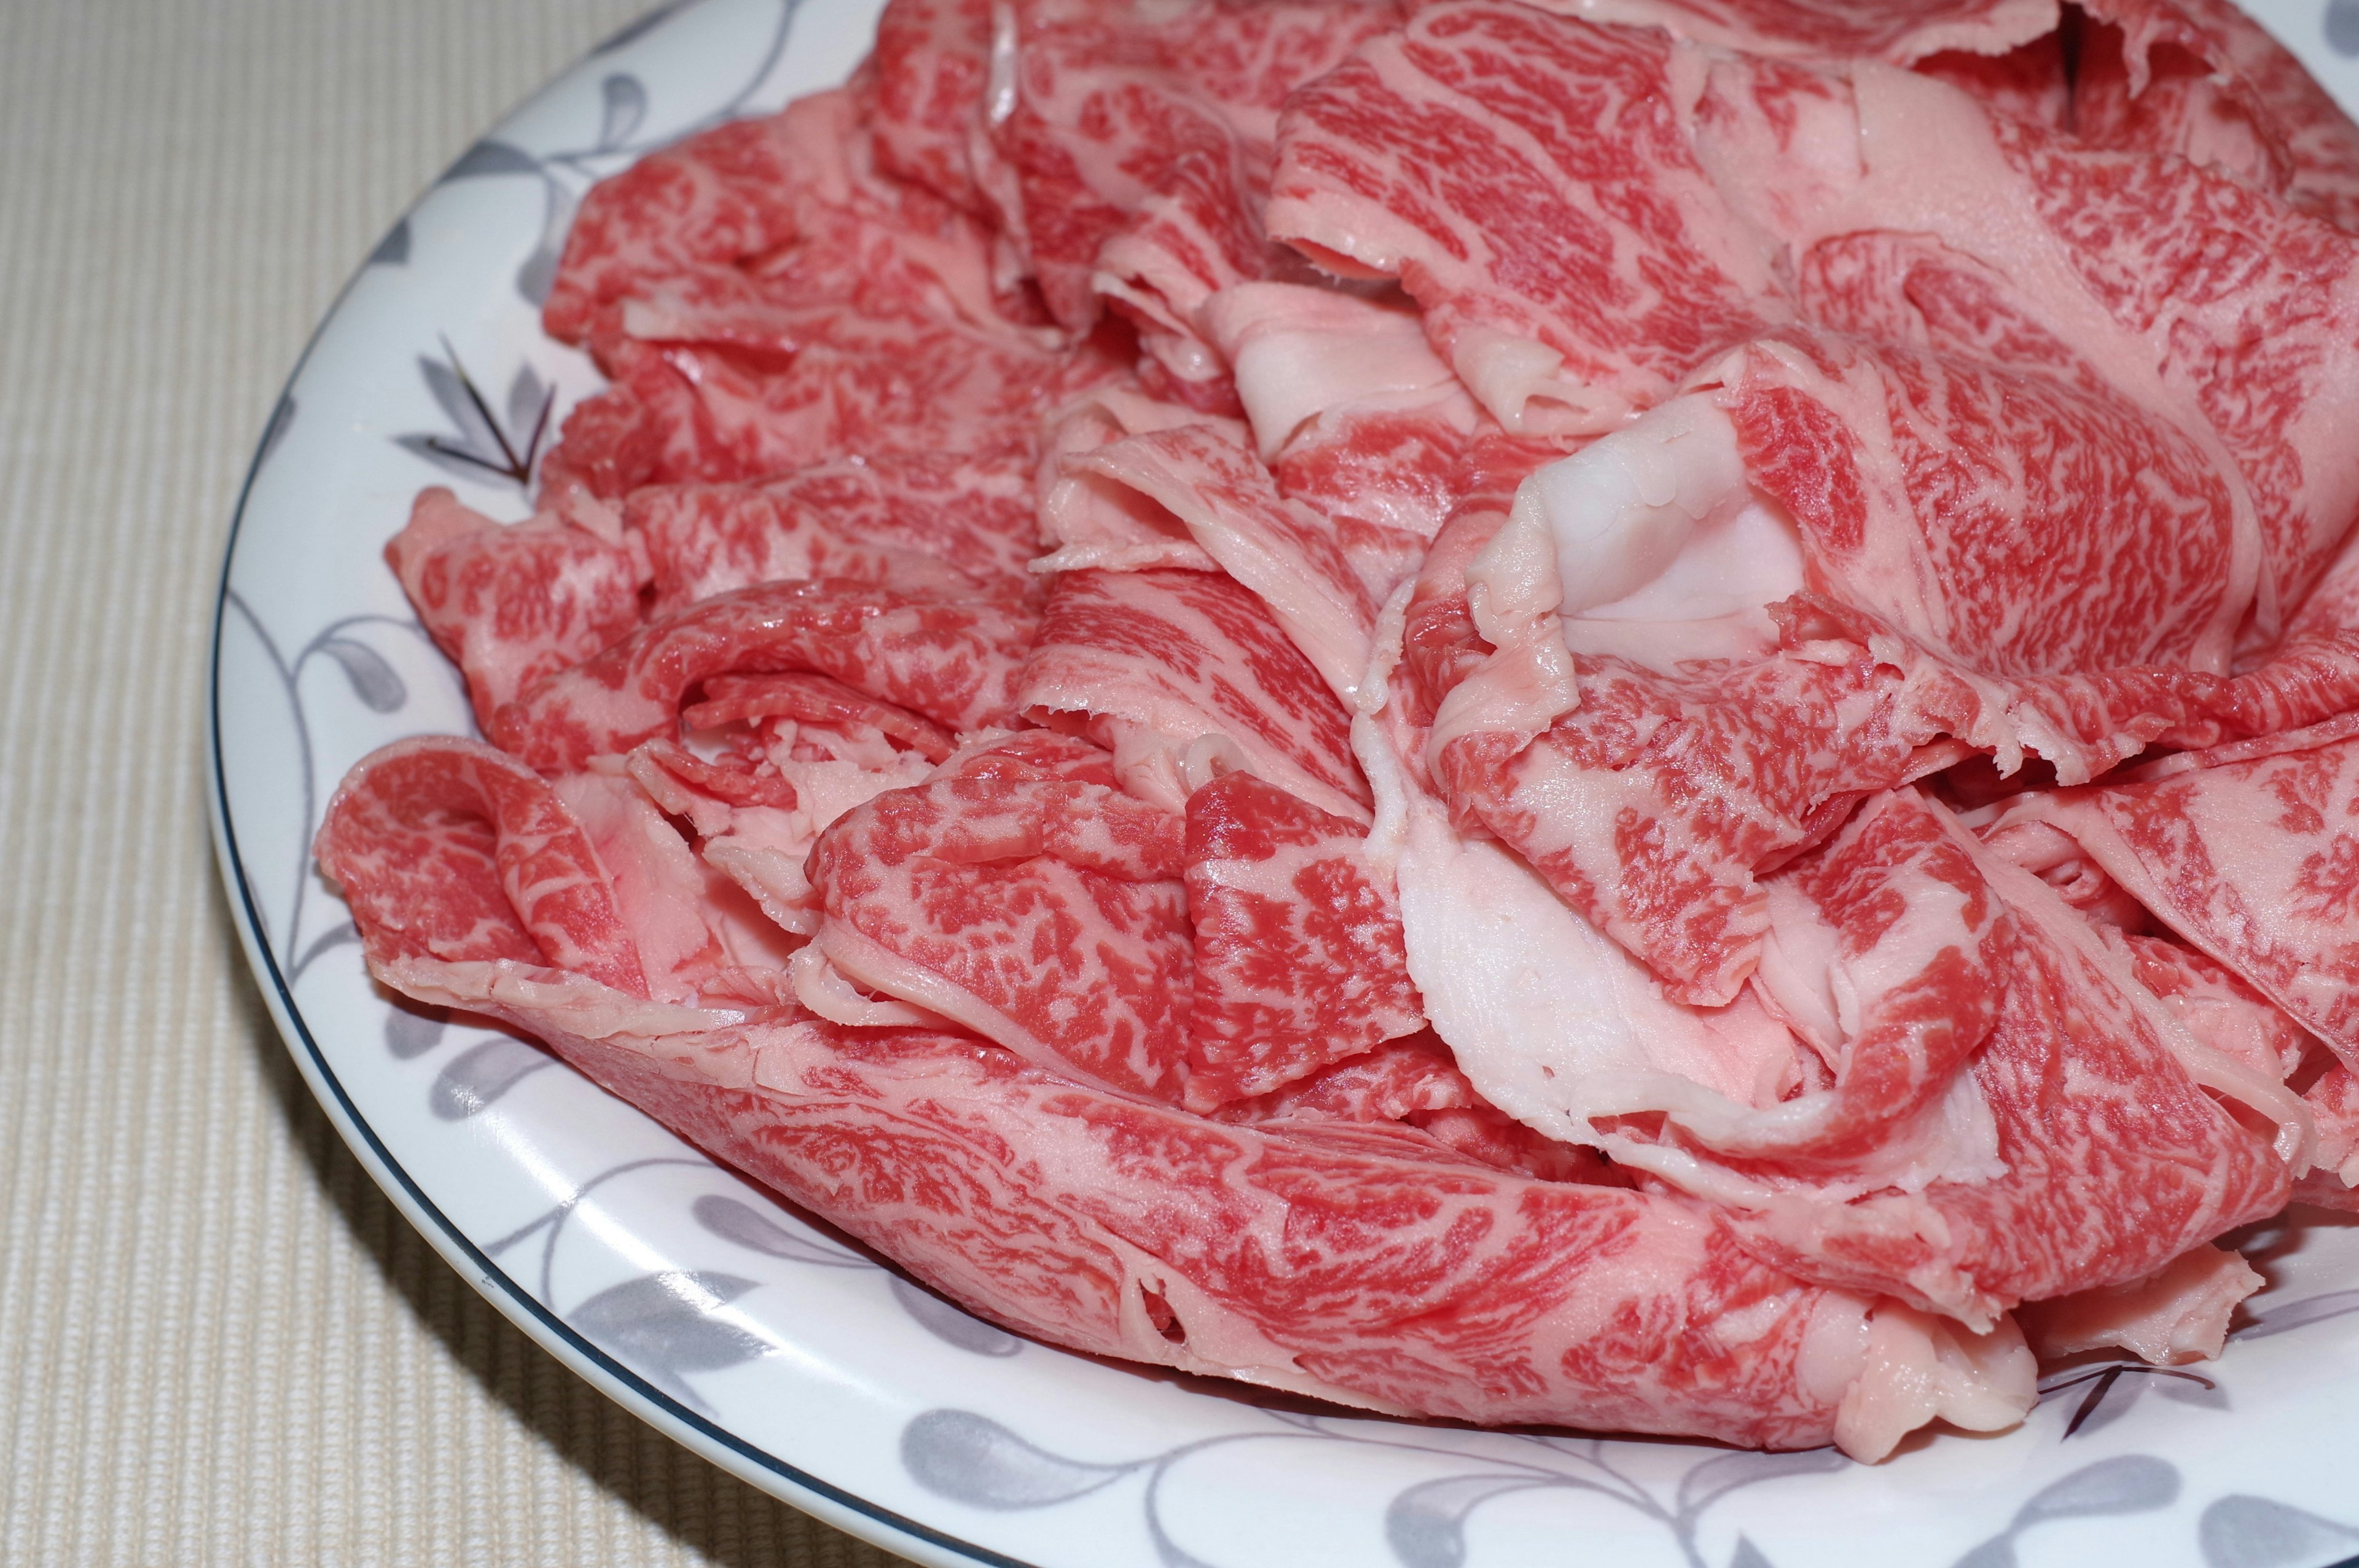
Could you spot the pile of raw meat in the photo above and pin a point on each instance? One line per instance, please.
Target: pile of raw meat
(1636, 714)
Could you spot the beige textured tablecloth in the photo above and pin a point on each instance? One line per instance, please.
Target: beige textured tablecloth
(217, 1342)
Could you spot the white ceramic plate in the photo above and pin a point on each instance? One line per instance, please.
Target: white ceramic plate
(804, 1367)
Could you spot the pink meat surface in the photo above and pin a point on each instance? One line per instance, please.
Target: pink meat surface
(511, 603)
(951, 661)
(1526, 180)
(2098, 1121)
(1160, 664)
(1616, 714)
(921, 522)
(2257, 863)
(1043, 911)
(1299, 961)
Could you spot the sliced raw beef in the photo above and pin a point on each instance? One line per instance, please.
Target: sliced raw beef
(2116, 1160)
(703, 539)
(896, 520)
(759, 806)
(2254, 862)
(512, 603)
(1185, 675)
(952, 662)
(608, 446)
(1141, 148)
(813, 700)
(1093, 521)
(1297, 957)
(842, 312)
(2206, 303)
(1401, 1080)
(1803, 1087)
(446, 848)
(695, 209)
(2178, 1315)
(2220, 1009)
(1612, 711)
(2202, 77)
(2252, 311)
(932, 68)
(1042, 912)
(1356, 416)
(788, 390)
(1648, 736)
(780, 213)
(1409, 1278)
(1282, 550)
(1527, 180)
(1835, 29)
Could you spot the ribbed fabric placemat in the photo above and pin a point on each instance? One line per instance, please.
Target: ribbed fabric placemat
(217, 1342)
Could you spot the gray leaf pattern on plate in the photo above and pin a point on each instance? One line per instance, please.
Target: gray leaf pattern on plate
(2134, 1483)
(374, 682)
(483, 446)
(2343, 27)
(413, 1030)
(478, 1077)
(972, 1458)
(1716, 1477)
(492, 158)
(663, 1324)
(2296, 1314)
(2098, 1407)
(393, 249)
(625, 104)
(1425, 1525)
(2239, 1531)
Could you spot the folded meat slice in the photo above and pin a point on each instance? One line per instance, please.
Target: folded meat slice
(2202, 79)
(922, 521)
(1184, 674)
(1297, 944)
(1380, 1269)
(1040, 909)
(1138, 144)
(1835, 29)
(1353, 412)
(1282, 550)
(1529, 182)
(2256, 862)
(764, 298)
(932, 68)
(2168, 1319)
(2118, 1154)
(952, 662)
(511, 603)
(1658, 719)
(2214, 305)
(1882, 981)
(1093, 521)
(445, 847)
